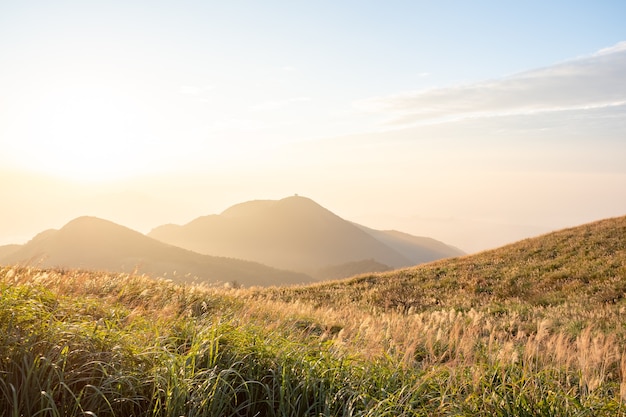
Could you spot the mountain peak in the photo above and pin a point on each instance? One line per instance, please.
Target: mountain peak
(299, 199)
(299, 203)
(105, 230)
(255, 207)
(89, 221)
(94, 243)
(247, 208)
(294, 233)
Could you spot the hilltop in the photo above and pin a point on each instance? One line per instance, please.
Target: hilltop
(97, 244)
(264, 242)
(298, 234)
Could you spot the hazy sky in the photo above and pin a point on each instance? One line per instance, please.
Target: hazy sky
(476, 123)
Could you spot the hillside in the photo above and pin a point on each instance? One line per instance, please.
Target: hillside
(96, 244)
(581, 264)
(406, 244)
(298, 234)
(531, 329)
(6, 250)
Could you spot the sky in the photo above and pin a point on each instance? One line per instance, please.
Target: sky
(475, 123)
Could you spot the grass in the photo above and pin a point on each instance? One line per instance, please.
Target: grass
(532, 329)
(586, 263)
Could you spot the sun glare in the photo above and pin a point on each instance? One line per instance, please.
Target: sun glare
(83, 132)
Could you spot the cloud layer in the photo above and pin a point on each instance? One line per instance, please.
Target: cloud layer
(595, 81)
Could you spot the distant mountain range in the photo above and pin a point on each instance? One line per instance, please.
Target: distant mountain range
(265, 242)
(96, 244)
(298, 234)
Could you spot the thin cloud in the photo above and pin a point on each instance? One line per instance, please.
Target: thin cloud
(619, 47)
(595, 81)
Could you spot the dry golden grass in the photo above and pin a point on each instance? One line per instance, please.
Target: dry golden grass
(534, 328)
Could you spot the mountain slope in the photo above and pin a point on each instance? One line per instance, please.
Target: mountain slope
(92, 243)
(577, 265)
(6, 250)
(293, 233)
(406, 244)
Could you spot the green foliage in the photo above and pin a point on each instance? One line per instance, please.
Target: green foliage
(535, 329)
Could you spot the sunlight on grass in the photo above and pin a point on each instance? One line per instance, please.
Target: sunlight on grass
(475, 336)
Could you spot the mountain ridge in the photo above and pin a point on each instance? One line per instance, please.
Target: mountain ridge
(294, 240)
(294, 233)
(92, 243)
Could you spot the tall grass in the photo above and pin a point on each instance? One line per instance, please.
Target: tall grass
(76, 343)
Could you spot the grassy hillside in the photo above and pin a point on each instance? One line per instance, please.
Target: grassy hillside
(532, 329)
(350, 269)
(581, 265)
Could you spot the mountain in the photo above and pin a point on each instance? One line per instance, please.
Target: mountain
(584, 264)
(298, 234)
(6, 250)
(350, 269)
(93, 243)
(428, 249)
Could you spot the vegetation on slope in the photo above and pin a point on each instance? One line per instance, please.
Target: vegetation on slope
(350, 269)
(87, 343)
(585, 264)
